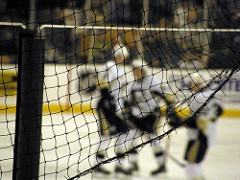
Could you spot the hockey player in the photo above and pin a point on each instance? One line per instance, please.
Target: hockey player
(142, 106)
(110, 106)
(202, 127)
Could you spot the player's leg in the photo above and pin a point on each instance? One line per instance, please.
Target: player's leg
(131, 143)
(106, 129)
(128, 165)
(194, 171)
(160, 156)
(148, 124)
(151, 127)
(103, 144)
(121, 167)
(121, 146)
(194, 155)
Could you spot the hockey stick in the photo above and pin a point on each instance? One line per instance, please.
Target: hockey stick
(174, 159)
(168, 155)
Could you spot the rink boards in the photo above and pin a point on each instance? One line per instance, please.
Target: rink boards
(62, 92)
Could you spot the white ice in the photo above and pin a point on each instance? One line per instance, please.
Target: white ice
(62, 143)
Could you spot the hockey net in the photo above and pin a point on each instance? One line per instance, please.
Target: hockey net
(177, 40)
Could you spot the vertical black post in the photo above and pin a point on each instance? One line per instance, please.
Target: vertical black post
(29, 108)
(32, 22)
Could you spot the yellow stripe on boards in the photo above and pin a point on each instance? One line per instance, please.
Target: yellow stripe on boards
(86, 108)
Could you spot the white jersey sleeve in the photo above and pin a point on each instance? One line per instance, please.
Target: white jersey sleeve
(140, 96)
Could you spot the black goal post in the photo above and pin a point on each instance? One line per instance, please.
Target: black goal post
(29, 107)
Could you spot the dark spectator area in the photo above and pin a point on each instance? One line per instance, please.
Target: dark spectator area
(168, 49)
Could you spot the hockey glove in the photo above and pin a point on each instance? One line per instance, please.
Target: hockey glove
(174, 119)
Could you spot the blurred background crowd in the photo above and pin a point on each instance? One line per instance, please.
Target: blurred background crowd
(160, 48)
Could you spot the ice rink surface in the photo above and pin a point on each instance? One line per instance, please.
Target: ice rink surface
(222, 161)
(62, 142)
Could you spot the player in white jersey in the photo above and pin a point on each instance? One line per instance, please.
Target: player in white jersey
(110, 106)
(142, 103)
(202, 127)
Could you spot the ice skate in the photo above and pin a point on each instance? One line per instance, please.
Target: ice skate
(159, 171)
(121, 171)
(101, 172)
